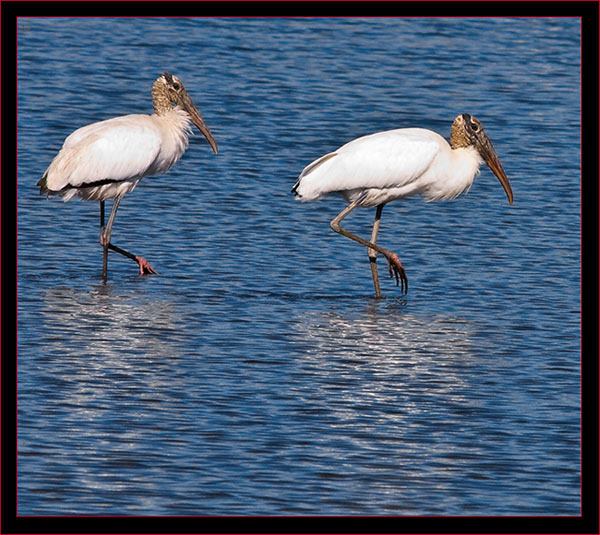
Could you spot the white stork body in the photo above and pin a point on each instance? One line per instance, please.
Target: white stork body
(376, 169)
(390, 165)
(106, 160)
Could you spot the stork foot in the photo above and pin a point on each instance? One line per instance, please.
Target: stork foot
(145, 268)
(396, 270)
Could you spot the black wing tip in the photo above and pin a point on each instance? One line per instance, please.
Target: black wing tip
(43, 184)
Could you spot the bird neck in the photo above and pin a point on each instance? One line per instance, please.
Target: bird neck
(466, 165)
(160, 98)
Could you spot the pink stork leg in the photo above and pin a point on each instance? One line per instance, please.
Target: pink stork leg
(395, 267)
(105, 234)
(372, 253)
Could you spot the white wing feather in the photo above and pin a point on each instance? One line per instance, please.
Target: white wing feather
(392, 159)
(123, 148)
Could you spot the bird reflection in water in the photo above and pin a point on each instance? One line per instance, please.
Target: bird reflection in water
(107, 327)
(400, 358)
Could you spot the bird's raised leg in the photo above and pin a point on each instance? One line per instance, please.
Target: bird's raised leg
(394, 264)
(373, 253)
(105, 234)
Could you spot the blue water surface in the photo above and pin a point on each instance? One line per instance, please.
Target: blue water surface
(256, 373)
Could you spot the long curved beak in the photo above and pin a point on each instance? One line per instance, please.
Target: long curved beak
(486, 149)
(189, 107)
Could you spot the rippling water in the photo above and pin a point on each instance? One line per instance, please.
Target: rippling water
(256, 374)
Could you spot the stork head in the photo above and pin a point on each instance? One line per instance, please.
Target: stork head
(468, 132)
(168, 91)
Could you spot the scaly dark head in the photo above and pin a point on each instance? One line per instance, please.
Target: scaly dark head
(467, 131)
(179, 97)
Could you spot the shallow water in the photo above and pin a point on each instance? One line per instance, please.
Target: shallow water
(256, 374)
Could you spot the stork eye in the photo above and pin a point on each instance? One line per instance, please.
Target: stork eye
(176, 86)
(475, 126)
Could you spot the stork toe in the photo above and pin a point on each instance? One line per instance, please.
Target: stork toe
(145, 268)
(396, 270)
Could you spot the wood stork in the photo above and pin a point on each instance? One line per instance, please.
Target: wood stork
(376, 169)
(107, 159)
